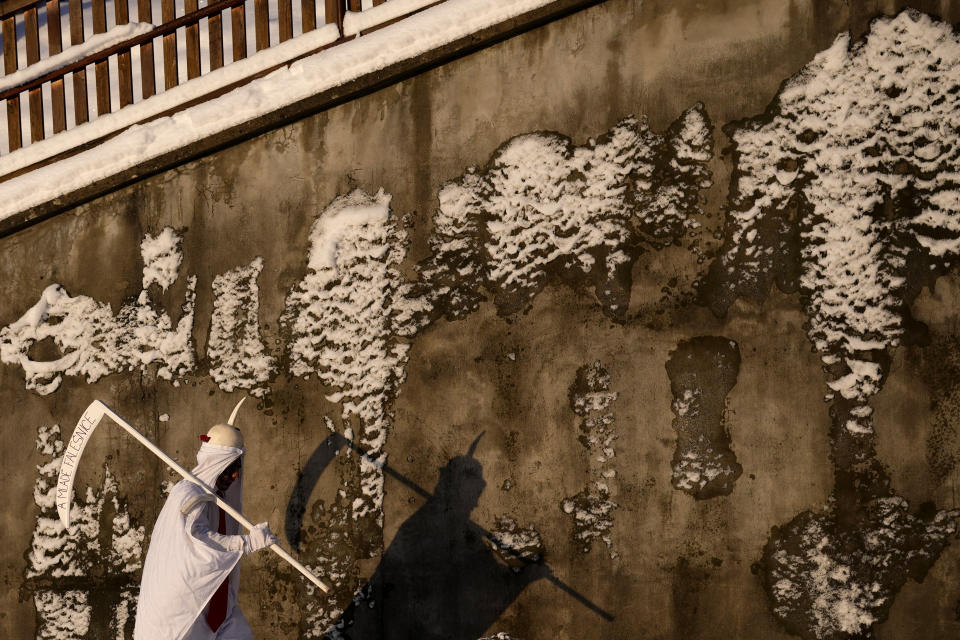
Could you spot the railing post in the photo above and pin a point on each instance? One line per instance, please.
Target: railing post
(55, 45)
(193, 42)
(308, 13)
(261, 24)
(148, 81)
(285, 19)
(171, 73)
(32, 34)
(101, 69)
(334, 12)
(215, 38)
(80, 110)
(10, 66)
(238, 30)
(124, 63)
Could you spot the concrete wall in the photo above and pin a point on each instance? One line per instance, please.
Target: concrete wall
(681, 562)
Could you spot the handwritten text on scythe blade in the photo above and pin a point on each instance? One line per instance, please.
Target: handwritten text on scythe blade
(70, 455)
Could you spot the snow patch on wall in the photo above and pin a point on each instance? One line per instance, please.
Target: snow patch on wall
(516, 546)
(545, 205)
(104, 546)
(832, 585)
(350, 319)
(62, 615)
(329, 545)
(237, 354)
(161, 258)
(863, 143)
(349, 322)
(846, 190)
(592, 509)
(96, 342)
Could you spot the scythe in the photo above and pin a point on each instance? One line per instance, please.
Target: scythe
(71, 460)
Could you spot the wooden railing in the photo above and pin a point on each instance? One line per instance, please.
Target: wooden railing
(50, 66)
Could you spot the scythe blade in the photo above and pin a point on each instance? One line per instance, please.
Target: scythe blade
(71, 458)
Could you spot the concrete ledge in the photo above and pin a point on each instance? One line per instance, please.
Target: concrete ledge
(299, 110)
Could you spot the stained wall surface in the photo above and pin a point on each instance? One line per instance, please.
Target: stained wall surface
(592, 359)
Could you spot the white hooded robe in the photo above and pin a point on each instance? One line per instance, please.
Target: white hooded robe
(188, 559)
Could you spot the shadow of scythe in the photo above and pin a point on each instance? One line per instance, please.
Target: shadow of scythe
(321, 458)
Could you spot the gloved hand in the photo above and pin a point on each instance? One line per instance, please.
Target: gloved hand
(259, 537)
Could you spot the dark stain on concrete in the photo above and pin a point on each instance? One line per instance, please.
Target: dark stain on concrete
(702, 372)
(939, 365)
(688, 582)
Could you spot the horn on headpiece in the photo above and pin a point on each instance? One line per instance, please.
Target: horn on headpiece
(233, 415)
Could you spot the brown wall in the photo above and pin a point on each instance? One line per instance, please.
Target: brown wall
(682, 567)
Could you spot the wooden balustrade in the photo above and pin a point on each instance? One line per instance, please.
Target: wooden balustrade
(46, 89)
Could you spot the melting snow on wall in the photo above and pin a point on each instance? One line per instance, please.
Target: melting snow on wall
(68, 571)
(94, 341)
(516, 546)
(863, 144)
(544, 205)
(852, 174)
(835, 586)
(349, 321)
(238, 357)
(592, 509)
(349, 318)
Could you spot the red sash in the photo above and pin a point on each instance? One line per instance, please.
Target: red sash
(217, 612)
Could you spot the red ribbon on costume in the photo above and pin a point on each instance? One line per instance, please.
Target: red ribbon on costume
(217, 612)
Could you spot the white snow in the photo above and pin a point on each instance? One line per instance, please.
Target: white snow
(63, 615)
(124, 610)
(356, 21)
(515, 543)
(839, 585)
(161, 258)
(592, 508)
(540, 211)
(238, 357)
(858, 126)
(333, 67)
(696, 468)
(94, 341)
(331, 229)
(348, 318)
(688, 403)
(544, 201)
(55, 553)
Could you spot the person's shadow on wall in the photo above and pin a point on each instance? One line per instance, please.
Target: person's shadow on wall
(439, 578)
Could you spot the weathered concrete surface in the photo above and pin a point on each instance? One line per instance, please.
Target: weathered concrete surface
(676, 567)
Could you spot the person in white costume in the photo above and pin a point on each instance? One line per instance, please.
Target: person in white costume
(191, 573)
